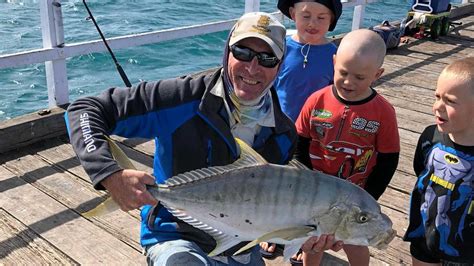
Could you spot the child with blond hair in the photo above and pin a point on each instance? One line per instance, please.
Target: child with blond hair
(441, 228)
(350, 131)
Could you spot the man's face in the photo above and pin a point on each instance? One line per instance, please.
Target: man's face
(250, 78)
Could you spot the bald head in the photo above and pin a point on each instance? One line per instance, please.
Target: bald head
(363, 43)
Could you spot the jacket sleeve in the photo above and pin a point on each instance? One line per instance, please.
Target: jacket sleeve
(425, 142)
(382, 173)
(302, 151)
(127, 112)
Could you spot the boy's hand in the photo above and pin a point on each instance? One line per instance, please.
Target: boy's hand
(128, 189)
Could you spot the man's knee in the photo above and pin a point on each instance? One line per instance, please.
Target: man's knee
(178, 252)
(185, 259)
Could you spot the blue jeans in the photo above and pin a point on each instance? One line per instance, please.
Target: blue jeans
(187, 253)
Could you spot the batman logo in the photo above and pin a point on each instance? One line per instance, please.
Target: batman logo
(451, 159)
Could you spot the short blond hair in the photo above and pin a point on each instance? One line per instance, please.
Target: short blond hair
(461, 69)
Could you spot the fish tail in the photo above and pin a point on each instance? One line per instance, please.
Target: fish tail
(108, 206)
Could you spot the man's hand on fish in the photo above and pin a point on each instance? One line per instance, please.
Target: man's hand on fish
(324, 242)
(128, 189)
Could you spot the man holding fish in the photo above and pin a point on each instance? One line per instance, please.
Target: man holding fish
(195, 122)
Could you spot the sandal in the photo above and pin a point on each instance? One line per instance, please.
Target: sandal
(271, 255)
(295, 262)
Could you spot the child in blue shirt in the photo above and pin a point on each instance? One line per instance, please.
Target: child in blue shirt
(308, 64)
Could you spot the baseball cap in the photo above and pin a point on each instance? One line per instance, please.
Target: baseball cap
(263, 26)
(334, 5)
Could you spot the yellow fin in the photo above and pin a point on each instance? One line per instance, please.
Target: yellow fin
(105, 207)
(119, 155)
(289, 234)
(296, 164)
(246, 150)
(109, 205)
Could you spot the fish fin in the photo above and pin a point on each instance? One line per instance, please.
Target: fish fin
(249, 154)
(287, 234)
(119, 155)
(107, 206)
(249, 245)
(222, 245)
(223, 240)
(249, 157)
(297, 164)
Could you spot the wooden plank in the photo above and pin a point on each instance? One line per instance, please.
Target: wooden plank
(398, 100)
(145, 146)
(50, 206)
(396, 200)
(403, 182)
(63, 156)
(417, 74)
(408, 136)
(21, 245)
(444, 50)
(397, 253)
(28, 129)
(412, 94)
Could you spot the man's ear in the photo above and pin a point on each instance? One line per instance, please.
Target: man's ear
(334, 59)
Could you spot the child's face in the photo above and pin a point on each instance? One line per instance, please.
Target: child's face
(353, 75)
(312, 22)
(454, 107)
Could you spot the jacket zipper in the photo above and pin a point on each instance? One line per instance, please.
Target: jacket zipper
(209, 153)
(341, 123)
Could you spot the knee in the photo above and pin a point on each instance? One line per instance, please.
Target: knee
(178, 258)
(186, 259)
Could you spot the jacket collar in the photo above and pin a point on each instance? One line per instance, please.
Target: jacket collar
(212, 108)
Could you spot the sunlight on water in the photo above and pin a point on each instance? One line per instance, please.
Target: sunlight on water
(23, 89)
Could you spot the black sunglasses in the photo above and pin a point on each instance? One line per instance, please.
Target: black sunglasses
(245, 54)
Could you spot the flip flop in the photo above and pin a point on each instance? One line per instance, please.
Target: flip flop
(295, 262)
(271, 255)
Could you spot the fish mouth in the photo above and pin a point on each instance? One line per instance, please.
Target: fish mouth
(381, 241)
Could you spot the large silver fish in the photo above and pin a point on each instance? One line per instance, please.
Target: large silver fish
(252, 200)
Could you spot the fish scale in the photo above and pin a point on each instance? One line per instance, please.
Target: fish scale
(252, 200)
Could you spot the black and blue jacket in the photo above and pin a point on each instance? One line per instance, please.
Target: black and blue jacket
(191, 129)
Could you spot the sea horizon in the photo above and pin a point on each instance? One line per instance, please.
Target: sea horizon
(23, 89)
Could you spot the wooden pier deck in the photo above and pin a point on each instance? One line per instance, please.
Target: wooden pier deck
(44, 190)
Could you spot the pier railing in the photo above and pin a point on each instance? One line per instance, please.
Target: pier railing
(55, 52)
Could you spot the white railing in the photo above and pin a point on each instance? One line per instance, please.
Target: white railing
(55, 52)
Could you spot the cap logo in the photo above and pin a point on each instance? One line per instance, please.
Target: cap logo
(262, 25)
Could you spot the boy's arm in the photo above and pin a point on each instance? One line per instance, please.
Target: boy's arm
(418, 161)
(378, 180)
(302, 151)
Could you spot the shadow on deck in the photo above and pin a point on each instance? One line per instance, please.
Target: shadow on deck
(43, 188)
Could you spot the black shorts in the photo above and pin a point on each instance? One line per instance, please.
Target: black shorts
(420, 251)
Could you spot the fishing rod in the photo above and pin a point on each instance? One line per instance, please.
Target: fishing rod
(117, 65)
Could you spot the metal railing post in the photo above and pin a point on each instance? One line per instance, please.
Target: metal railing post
(252, 6)
(53, 37)
(358, 18)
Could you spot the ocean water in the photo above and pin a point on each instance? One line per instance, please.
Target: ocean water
(23, 89)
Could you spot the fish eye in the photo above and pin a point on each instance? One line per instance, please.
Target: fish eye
(362, 218)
